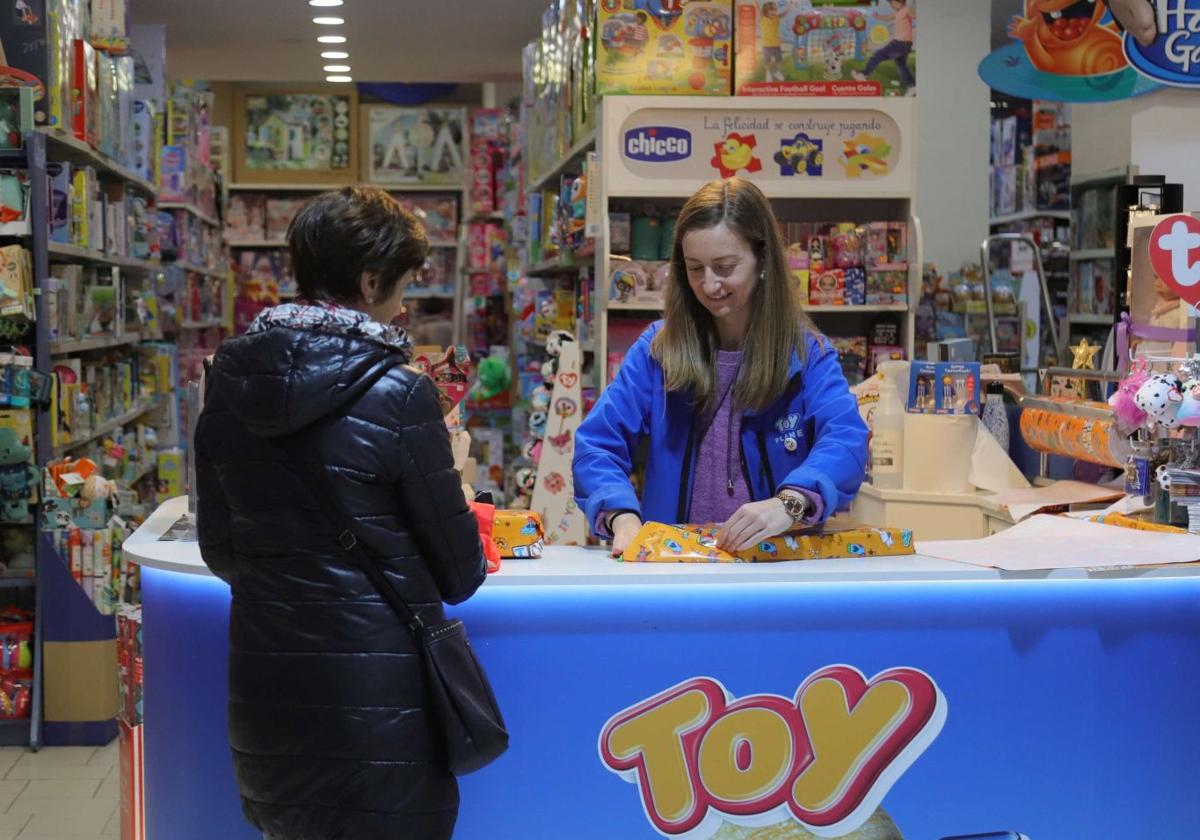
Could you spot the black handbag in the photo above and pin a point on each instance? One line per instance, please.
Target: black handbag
(459, 692)
(460, 696)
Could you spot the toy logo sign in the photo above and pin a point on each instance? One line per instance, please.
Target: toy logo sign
(658, 144)
(825, 758)
(1175, 255)
(1173, 58)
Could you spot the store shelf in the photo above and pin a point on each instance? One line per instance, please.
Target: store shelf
(886, 307)
(106, 428)
(62, 252)
(101, 342)
(67, 147)
(443, 244)
(1027, 215)
(1092, 254)
(249, 187)
(577, 151)
(494, 216)
(143, 472)
(425, 294)
(14, 582)
(190, 208)
(1090, 318)
(257, 243)
(16, 523)
(634, 306)
(202, 325)
(551, 267)
(196, 269)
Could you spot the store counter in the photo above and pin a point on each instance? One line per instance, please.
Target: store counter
(1057, 705)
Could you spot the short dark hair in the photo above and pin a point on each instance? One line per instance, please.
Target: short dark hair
(340, 235)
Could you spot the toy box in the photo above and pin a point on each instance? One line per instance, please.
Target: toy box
(110, 25)
(852, 356)
(827, 288)
(944, 388)
(173, 169)
(658, 543)
(886, 287)
(85, 89)
(36, 48)
(638, 281)
(647, 47)
(789, 48)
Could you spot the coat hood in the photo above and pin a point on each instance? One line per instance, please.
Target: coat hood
(297, 364)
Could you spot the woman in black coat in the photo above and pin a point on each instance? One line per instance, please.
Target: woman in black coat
(331, 735)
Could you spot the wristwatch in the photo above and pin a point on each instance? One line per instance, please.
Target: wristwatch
(796, 505)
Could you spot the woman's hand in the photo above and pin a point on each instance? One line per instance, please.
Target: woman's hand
(624, 528)
(752, 523)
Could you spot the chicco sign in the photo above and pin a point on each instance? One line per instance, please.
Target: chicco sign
(658, 144)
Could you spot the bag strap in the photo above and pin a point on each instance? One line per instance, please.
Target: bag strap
(350, 544)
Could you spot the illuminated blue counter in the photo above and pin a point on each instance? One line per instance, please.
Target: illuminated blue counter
(1062, 706)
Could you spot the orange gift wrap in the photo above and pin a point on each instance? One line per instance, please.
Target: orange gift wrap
(519, 533)
(658, 543)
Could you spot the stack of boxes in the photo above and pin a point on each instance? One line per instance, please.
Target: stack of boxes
(129, 721)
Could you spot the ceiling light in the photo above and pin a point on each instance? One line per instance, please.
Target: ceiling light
(337, 68)
(335, 55)
(328, 3)
(332, 39)
(339, 79)
(328, 21)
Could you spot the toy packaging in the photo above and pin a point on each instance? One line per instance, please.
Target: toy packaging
(658, 543)
(638, 282)
(944, 388)
(519, 533)
(852, 355)
(790, 48)
(86, 104)
(648, 47)
(110, 25)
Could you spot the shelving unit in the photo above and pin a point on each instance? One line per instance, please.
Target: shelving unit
(62, 252)
(62, 146)
(890, 196)
(86, 345)
(1093, 254)
(190, 208)
(1027, 215)
(106, 428)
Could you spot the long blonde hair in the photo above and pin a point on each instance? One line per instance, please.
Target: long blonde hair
(687, 345)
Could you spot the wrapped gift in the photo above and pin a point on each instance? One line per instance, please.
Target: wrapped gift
(658, 543)
(518, 533)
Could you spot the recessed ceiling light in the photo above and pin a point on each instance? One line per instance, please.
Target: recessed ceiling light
(339, 79)
(332, 39)
(325, 3)
(337, 68)
(335, 55)
(328, 21)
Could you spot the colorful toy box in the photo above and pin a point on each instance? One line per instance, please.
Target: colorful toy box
(658, 543)
(651, 46)
(790, 48)
(944, 388)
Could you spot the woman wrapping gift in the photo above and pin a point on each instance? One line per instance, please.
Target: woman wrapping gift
(749, 417)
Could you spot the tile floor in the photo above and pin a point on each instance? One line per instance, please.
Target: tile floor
(59, 793)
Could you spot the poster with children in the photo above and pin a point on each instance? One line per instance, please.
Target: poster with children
(414, 145)
(793, 48)
(1158, 316)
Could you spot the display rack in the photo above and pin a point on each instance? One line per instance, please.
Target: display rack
(832, 196)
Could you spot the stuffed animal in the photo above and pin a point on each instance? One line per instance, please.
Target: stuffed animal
(1128, 413)
(1160, 397)
(17, 477)
(1189, 409)
(557, 339)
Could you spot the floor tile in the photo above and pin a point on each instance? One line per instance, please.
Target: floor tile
(57, 771)
(89, 818)
(105, 756)
(57, 756)
(61, 789)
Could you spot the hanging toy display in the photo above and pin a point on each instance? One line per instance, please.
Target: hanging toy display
(1130, 416)
(1160, 397)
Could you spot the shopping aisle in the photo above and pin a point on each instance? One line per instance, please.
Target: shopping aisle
(59, 793)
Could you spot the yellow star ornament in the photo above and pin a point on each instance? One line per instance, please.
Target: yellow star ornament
(1085, 355)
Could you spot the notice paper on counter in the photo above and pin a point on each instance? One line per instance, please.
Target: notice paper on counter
(1026, 501)
(1060, 542)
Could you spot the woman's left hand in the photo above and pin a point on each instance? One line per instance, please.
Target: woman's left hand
(752, 523)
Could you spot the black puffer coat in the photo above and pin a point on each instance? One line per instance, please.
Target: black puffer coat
(330, 736)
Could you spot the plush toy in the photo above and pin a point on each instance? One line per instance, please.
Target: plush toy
(540, 399)
(557, 339)
(493, 379)
(18, 547)
(1189, 409)
(17, 476)
(549, 372)
(1160, 397)
(1128, 413)
(537, 423)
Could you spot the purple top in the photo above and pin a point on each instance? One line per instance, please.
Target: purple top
(716, 462)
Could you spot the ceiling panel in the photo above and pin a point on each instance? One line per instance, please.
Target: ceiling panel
(404, 41)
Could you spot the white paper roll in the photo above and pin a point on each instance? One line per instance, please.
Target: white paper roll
(937, 453)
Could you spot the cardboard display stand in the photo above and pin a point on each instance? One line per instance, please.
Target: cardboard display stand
(554, 495)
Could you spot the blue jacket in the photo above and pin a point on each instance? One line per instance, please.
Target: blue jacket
(816, 411)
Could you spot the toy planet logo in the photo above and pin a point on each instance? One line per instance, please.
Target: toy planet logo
(1173, 58)
(658, 144)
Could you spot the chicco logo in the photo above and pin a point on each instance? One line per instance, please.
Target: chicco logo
(658, 144)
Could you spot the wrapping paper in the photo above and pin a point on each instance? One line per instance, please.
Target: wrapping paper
(658, 543)
(519, 533)
(1094, 441)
